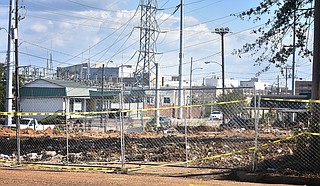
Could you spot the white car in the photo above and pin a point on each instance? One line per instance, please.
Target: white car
(216, 115)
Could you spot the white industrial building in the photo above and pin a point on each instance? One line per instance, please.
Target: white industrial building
(217, 82)
(254, 82)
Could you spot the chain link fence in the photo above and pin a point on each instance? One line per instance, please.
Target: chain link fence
(238, 130)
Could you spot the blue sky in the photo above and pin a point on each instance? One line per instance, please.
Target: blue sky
(105, 30)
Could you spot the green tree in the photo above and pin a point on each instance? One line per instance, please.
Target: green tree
(281, 18)
(3, 78)
(230, 110)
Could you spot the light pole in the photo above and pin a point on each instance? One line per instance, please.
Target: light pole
(180, 60)
(222, 32)
(222, 71)
(103, 76)
(191, 70)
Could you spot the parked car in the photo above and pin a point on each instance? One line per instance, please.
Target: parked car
(165, 120)
(216, 115)
(29, 123)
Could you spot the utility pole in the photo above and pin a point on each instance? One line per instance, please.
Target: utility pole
(294, 49)
(286, 80)
(180, 62)
(102, 81)
(157, 98)
(9, 86)
(286, 77)
(51, 65)
(17, 95)
(88, 70)
(191, 70)
(222, 32)
(278, 85)
(315, 112)
(316, 53)
(190, 108)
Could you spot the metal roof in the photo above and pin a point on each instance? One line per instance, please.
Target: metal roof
(65, 83)
(42, 91)
(41, 87)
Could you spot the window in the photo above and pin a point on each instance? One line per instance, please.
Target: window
(166, 100)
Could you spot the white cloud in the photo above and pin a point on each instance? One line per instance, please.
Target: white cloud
(73, 29)
(39, 28)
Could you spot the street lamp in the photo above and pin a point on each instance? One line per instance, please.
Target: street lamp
(191, 70)
(222, 32)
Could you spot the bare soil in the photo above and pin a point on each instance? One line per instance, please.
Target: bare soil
(278, 163)
(25, 177)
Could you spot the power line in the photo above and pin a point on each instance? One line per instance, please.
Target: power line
(124, 25)
(92, 7)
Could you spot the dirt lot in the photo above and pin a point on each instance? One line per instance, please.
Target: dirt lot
(23, 177)
(278, 161)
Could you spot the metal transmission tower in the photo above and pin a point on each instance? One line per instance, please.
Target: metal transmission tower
(149, 32)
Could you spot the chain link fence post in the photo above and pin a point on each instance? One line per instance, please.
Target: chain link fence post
(67, 130)
(185, 126)
(122, 129)
(256, 128)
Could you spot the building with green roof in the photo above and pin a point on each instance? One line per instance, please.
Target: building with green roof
(48, 95)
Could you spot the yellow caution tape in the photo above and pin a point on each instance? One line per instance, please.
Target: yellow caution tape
(68, 167)
(292, 100)
(148, 109)
(115, 169)
(117, 111)
(230, 153)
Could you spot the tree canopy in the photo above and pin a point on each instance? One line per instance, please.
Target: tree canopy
(272, 46)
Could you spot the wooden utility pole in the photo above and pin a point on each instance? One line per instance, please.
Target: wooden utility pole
(315, 112)
(180, 61)
(294, 51)
(316, 53)
(17, 95)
